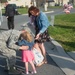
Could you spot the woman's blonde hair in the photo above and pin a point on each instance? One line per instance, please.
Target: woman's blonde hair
(27, 36)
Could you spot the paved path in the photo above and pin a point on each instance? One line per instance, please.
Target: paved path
(47, 69)
(61, 58)
(59, 62)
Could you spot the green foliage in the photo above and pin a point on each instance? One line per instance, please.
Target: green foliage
(64, 31)
(2, 1)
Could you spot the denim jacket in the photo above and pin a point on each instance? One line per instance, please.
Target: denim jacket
(42, 22)
(25, 43)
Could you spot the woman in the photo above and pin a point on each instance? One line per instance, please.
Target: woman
(41, 24)
(32, 18)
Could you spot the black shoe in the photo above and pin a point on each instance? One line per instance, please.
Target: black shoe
(13, 70)
(6, 69)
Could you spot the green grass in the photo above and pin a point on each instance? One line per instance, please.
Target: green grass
(20, 10)
(3, 10)
(64, 31)
(23, 10)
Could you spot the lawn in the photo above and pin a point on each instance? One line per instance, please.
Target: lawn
(23, 10)
(64, 31)
(20, 10)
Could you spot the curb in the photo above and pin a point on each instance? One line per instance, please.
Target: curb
(45, 12)
(62, 59)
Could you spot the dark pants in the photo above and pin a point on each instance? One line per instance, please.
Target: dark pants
(11, 22)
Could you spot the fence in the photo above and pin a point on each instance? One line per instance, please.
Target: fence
(1, 18)
(52, 20)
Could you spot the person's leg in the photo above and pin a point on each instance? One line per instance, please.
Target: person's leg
(8, 53)
(26, 66)
(36, 45)
(10, 57)
(9, 22)
(33, 67)
(42, 47)
(12, 22)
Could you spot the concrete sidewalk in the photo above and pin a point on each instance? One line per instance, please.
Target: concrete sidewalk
(65, 61)
(60, 57)
(50, 68)
(71, 54)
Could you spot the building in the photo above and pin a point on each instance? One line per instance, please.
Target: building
(38, 3)
(22, 3)
(61, 2)
(55, 2)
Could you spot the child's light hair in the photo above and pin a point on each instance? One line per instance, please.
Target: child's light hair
(27, 36)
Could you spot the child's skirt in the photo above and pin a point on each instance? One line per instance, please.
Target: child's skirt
(27, 55)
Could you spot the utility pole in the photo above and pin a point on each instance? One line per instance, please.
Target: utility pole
(45, 5)
(1, 18)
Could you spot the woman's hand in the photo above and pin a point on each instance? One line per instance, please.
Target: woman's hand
(37, 36)
(6, 16)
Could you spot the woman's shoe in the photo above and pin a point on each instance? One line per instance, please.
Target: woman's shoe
(6, 69)
(45, 62)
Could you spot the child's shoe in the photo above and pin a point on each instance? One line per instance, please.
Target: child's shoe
(33, 72)
(27, 72)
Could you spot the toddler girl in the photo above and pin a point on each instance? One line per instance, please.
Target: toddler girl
(27, 55)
